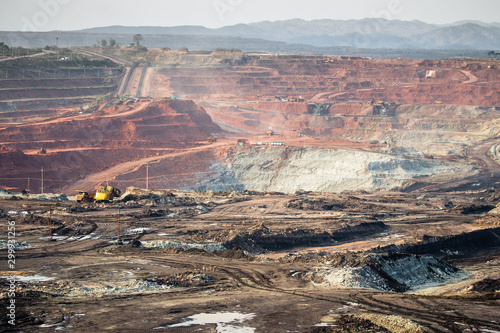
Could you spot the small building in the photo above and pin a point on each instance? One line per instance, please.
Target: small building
(430, 74)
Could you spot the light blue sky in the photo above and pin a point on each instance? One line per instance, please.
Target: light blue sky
(46, 15)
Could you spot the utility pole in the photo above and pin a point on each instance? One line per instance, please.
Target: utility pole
(147, 176)
(50, 220)
(118, 239)
(28, 194)
(42, 180)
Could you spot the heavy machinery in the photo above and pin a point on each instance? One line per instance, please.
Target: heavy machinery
(41, 150)
(104, 193)
(242, 142)
(319, 109)
(107, 193)
(382, 108)
(84, 196)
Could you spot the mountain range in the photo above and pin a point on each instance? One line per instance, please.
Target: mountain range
(376, 38)
(365, 33)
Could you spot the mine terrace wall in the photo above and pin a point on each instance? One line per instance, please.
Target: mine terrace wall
(81, 146)
(395, 80)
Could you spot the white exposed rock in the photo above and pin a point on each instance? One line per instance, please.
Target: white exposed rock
(328, 170)
(162, 244)
(409, 272)
(202, 210)
(15, 245)
(117, 288)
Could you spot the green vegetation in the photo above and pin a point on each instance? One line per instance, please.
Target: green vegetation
(6, 51)
(493, 54)
(138, 39)
(4, 47)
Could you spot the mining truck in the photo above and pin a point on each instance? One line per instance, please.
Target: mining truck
(84, 196)
(107, 193)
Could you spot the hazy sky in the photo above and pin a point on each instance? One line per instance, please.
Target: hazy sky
(46, 15)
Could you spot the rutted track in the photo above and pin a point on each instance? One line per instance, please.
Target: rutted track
(62, 248)
(435, 318)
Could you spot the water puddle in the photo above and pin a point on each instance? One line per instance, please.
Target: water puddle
(30, 278)
(137, 231)
(72, 238)
(223, 320)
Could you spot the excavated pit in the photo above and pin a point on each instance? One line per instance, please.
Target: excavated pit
(250, 246)
(289, 170)
(387, 272)
(465, 245)
(275, 241)
(262, 240)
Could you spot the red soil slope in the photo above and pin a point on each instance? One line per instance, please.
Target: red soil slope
(342, 79)
(85, 144)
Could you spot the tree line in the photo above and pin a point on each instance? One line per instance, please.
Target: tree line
(137, 39)
(493, 54)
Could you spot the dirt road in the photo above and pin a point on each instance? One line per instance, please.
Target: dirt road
(95, 180)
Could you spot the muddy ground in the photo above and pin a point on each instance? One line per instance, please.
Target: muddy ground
(255, 262)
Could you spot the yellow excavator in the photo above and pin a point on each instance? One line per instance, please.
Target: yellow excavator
(107, 193)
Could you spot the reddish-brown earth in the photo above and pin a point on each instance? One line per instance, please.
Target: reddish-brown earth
(283, 252)
(441, 115)
(458, 82)
(81, 145)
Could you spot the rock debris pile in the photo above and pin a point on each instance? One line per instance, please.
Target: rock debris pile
(396, 273)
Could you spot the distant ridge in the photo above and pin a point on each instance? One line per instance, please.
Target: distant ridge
(365, 33)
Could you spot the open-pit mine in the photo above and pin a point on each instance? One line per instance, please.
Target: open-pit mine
(257, 193)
